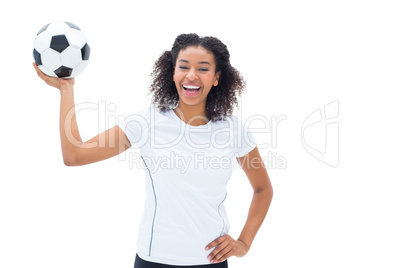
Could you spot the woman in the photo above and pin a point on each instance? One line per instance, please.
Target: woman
(184, 222)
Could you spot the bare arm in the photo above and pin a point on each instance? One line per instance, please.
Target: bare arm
(76, 152)
(256, 172)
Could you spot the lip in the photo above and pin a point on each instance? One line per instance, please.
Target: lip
(190, 84)
(191, 93)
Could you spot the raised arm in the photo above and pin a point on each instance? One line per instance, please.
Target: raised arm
(76, 152)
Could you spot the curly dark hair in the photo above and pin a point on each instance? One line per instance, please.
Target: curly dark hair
(220, 99)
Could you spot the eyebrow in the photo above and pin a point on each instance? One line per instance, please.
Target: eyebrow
(201, 62)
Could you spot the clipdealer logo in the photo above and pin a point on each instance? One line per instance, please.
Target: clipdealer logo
(220, 138)
(320, 134)
(257, 124)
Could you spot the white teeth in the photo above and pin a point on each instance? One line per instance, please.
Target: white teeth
(191, 87)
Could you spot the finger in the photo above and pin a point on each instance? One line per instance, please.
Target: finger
(36, 68)
(220, 250)
(219, 257)
(225, 256)
(39, 71)
(216, 242)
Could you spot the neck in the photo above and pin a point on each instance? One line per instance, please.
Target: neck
(194, 115)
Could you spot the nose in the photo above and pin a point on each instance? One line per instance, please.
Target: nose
(191, 75)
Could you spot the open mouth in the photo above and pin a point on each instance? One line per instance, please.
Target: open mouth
(191, 89)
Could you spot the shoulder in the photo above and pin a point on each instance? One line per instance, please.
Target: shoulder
(136, 120)
(239, 126)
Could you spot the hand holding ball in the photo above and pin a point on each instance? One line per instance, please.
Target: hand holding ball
(61, 50)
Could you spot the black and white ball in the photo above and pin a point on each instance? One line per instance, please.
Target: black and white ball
(61, 50)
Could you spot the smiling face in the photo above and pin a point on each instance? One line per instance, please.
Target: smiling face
(194, 75)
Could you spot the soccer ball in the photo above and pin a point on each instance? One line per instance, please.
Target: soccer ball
(61, 50)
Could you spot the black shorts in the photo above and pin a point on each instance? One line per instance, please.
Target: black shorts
(140, 263)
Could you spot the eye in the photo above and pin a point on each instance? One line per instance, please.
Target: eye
(183, 67)
(204, 70)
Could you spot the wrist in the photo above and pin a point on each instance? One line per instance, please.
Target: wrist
(65, 88)
(246, 244)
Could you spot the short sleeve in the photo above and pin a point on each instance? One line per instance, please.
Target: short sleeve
(136, 127)
(245, 140)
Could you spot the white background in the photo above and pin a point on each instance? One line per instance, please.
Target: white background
(296, 56)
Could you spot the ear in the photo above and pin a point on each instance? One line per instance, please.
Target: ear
(217, 75)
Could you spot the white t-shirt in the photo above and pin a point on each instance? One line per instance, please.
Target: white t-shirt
(186, 170)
